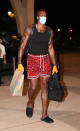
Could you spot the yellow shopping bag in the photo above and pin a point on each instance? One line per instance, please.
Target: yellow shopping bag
(17, 82)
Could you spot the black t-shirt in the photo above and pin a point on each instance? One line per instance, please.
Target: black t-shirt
(39, 42)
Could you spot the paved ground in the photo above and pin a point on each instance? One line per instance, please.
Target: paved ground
(65, 114)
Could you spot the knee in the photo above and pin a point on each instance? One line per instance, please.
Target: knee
(33, 88)
(43, 83)
(44, 86)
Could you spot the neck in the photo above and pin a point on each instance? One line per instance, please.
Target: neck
(40, 27)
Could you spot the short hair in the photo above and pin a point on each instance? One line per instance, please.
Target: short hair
(39, 10)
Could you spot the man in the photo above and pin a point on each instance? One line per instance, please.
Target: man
(2, 58)
(38, 62)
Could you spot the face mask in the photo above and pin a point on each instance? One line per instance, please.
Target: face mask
(42, 19)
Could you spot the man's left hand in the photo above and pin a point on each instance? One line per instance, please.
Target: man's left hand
(54, 69)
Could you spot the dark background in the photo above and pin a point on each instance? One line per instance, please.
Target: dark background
(6, 23)
(60, 13)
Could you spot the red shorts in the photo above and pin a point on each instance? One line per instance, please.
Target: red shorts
(38, 65)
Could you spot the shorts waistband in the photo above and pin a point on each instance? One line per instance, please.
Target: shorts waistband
(37, 55)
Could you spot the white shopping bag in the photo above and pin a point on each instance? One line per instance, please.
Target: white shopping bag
(17, 82)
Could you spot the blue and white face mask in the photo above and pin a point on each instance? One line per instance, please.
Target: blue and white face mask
(42, 19)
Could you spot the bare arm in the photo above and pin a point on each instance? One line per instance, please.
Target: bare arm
(23, 43)
(51, 48)
(4, 59)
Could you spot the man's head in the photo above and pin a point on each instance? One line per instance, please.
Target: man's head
(41, 16)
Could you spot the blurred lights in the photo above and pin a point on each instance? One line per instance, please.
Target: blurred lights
(14, 37)
(59, 30)
(70, 30)
(70, 38)
(10, 14)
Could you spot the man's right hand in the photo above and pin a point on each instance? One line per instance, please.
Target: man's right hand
(54, 70)
(20, 67)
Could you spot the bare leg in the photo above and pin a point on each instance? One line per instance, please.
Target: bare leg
(31, 91)
(44, 95)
